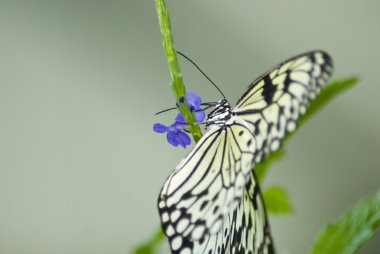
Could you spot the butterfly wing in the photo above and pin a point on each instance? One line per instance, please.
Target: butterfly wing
(249, 225)
(196, 199)
(272, 104)
(245, 230)
(209, 244)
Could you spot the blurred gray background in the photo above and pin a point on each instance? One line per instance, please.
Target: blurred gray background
(80, 81)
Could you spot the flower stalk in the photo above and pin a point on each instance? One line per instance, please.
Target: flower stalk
(177, 84)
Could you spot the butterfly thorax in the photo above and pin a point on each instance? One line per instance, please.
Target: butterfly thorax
(220, 114)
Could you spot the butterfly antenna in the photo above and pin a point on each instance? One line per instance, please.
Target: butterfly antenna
(165, 110)
(204, 74)
(206, 104)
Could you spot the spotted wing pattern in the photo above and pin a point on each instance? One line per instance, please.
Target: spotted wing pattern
(245, 230)
(273, 103)
(209, 244)
(249, 231)
(206, 187)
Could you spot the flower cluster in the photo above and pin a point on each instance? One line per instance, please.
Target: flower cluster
(175, 132)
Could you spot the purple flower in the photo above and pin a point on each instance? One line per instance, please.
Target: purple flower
(194, 101)
(180, 121)
(174, 133)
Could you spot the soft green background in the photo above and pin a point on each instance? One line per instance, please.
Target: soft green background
(80, 168)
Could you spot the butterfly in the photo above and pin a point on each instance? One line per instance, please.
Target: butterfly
(211, 203)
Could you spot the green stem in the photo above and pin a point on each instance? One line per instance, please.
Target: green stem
(177, 85)
(179, 91)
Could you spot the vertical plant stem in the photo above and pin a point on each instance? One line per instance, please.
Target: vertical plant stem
(177, 85)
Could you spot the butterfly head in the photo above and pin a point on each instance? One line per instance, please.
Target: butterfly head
(220, 114)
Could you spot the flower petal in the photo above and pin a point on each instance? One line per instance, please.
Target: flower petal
(172, 138)
(200, 115)
(160, 128)
(180, 119)
(180, 122)
(193, 99)
(183, 139)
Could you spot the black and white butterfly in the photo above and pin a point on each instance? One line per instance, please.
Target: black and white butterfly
(211, 202)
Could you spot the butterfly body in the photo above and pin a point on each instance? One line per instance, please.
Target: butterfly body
(220, 114)
(211, 202)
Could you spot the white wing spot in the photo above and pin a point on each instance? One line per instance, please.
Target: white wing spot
(298, 61)
(275, 145)
(176, 243)
(165, 217)
(291, 126)
(186, 251)
(198, 232)
(277, 95)
(301, 77)
(284, 68)
(182, 225)
(319, 58)
(175, 215)
(279, 80)
(170, 230)
(317, 71)
(305, 67)
(297, 90)
(273, 74)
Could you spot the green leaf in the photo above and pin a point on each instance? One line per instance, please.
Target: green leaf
(351, 231)
(329, 92)
(150, 246)
(277, 200)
